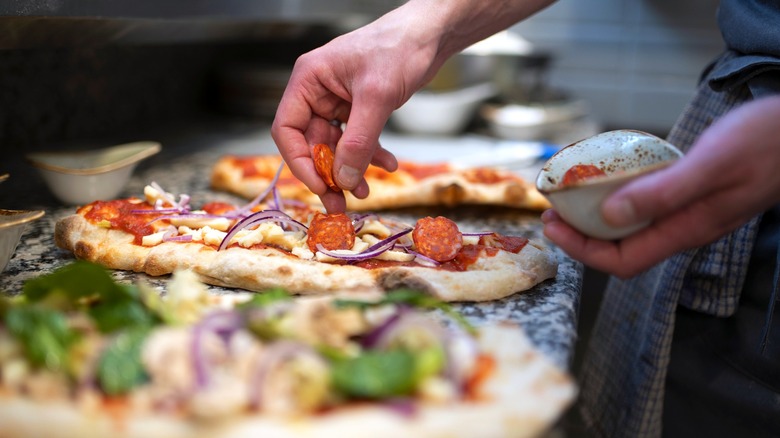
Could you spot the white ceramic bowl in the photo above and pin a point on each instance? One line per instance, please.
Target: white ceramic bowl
(12, 224)
(531, 122)
(441, 113)
(84, 176)
(623, 155)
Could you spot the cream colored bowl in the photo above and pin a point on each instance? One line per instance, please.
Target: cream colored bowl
(12, 225)
(441, 113)
(623, 155)
(81, 177)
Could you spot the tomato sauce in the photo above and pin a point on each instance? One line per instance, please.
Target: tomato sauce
(218, 207)
(376, 263)
(251, 167)
(581, 172)
(421, 171)
(488, 246)
(118, 214)
(488, 176)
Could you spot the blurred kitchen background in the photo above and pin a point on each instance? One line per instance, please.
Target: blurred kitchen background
(89, 73)
(73, 69)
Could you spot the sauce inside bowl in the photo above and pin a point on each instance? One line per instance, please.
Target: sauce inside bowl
(581, 172)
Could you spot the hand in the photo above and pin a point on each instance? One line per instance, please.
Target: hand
(730, 175)
(361, 77)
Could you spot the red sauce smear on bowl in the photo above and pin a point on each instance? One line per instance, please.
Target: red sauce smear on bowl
(581, 172)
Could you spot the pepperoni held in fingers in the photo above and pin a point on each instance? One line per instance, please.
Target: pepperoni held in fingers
(333, 231)
(437, 238)
(323, 161)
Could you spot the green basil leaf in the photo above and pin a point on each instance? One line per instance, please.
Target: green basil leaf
(266, 298)
(44, 334)
(119, 368)
(412, 298)
(75, 281)
(112, 316)
(376, 374)
(88, 287)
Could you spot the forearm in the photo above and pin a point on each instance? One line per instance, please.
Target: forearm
(454, 25)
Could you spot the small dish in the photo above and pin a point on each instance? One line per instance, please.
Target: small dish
(623, 155)
(84, 176)
(531, 122)
(441, 113)
(12, 225)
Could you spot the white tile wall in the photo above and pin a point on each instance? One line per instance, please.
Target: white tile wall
(635, 61)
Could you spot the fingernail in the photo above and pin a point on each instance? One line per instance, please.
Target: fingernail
(348, 177)
(619, 213)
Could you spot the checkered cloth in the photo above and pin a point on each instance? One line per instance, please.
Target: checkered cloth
(624, 371)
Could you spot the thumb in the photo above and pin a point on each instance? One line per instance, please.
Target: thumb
(359, 143)
(656, 194)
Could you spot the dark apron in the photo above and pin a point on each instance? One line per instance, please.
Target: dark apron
(724, 374)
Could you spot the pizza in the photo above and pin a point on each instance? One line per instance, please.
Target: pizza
(83, 356)
(413, 184)
(276, 242)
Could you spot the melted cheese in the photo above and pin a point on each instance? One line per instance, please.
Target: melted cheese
(153, 239)
(470, 240)
(213, 231)
(219, 223)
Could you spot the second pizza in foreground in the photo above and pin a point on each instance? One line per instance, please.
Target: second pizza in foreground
(87, 357)
(274, 242)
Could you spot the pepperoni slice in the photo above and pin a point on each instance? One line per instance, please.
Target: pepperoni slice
(581, 172)
(438, 238)
(323, 162)
(333, 231)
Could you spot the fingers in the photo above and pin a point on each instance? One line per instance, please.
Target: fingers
(660, 193)
(359, 144)
(292, 120)
(623, 258)
(384, 159)
(334, 202)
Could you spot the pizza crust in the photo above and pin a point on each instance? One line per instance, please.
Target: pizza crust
(490, 278)
(394, 190)
(448, 190)
(525, 395)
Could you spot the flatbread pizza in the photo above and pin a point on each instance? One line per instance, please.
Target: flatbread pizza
(276, 242)
(84, 357)
(413, 184)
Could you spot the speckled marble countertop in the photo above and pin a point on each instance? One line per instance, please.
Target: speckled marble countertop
(548, 312)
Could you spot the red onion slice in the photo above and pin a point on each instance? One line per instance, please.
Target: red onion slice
(370, 252)
(182, 238)
(243, 211)
(403, 406)
(163, 196)
(273, 356)
(359, 220)
(384, 335)
(422, 259)
(371, 339)
(189, 216)
(224, 323)
(260, 216)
